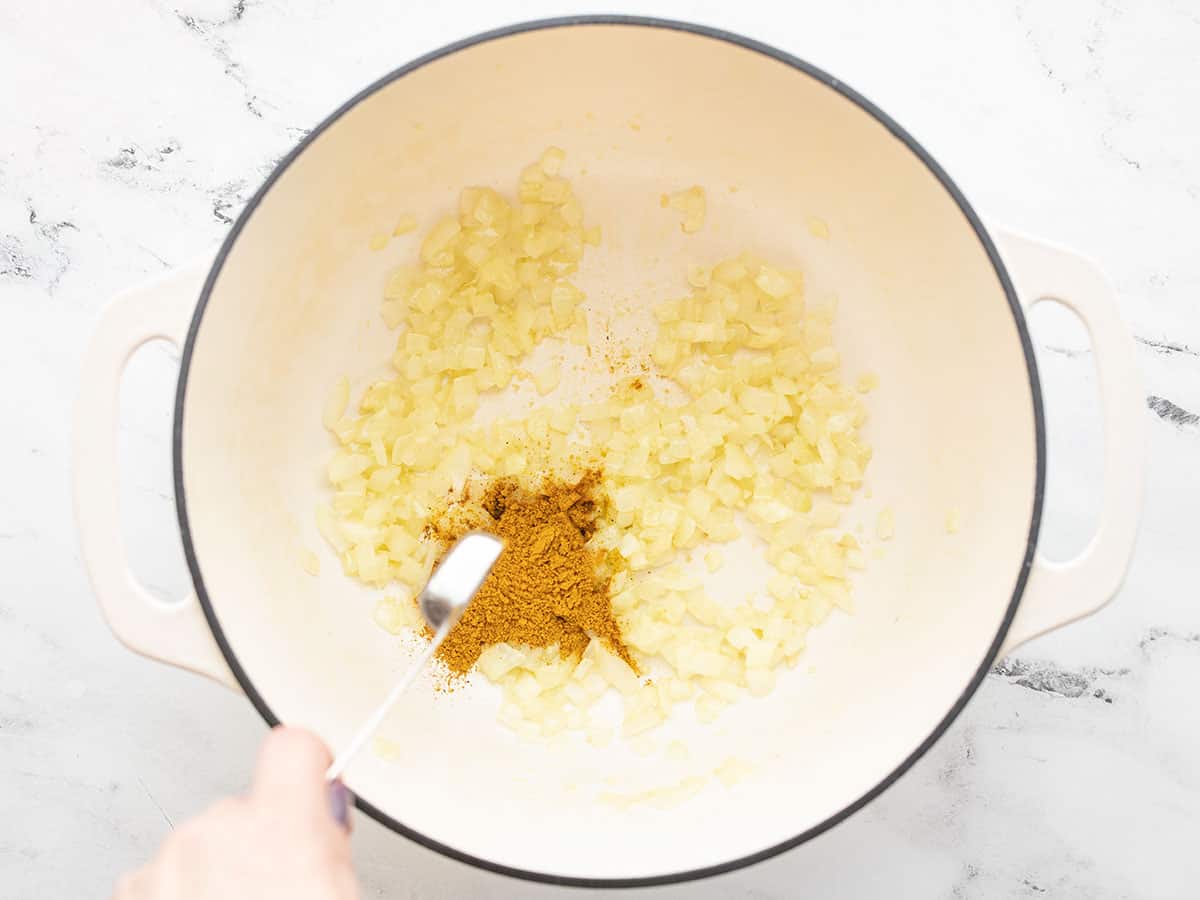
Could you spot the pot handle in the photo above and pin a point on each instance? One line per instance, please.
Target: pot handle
(175, 633)
(1058, 593)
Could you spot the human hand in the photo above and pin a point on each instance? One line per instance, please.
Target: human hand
(281, 840)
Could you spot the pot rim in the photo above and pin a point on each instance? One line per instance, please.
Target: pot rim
(900, 134)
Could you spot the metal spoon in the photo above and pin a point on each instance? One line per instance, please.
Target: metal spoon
(443, 601)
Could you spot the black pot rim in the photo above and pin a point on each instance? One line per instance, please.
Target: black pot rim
(984, 240)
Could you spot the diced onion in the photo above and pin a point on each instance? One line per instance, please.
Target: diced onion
(766, 436)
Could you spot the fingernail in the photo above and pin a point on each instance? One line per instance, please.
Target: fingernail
(340, 801)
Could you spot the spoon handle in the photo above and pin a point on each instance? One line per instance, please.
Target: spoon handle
(364, 734)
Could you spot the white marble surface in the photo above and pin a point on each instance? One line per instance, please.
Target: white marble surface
(131, 132)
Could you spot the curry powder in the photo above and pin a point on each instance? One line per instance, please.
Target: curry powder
(546, 588)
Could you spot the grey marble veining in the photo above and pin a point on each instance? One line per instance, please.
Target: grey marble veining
(132, 132)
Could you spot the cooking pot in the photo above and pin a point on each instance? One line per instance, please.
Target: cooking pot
(929, 299)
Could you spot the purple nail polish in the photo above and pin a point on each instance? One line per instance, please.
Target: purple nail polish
(340, 801)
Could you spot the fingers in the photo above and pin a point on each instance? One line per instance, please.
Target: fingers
(133, 886)
(291, 772)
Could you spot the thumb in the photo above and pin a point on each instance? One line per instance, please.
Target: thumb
(290, 773)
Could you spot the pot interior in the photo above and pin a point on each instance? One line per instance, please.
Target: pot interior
(639, 111)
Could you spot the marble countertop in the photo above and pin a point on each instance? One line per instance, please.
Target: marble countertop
(132, 131)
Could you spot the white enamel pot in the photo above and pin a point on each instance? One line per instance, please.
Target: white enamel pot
(929, 299)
